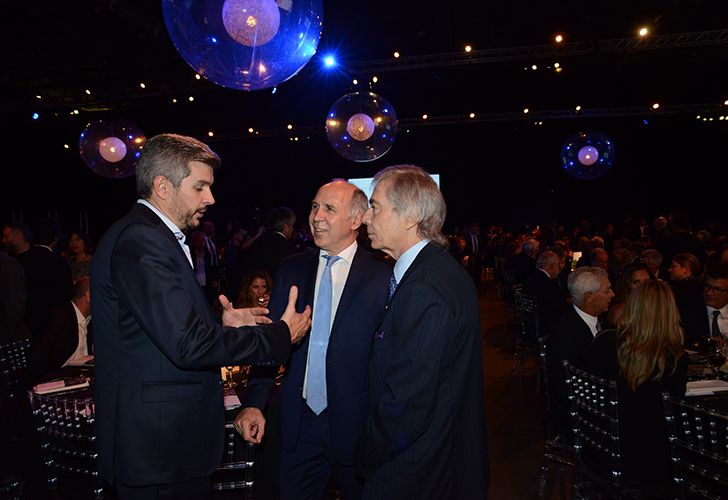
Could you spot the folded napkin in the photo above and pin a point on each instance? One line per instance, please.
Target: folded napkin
(705, 387)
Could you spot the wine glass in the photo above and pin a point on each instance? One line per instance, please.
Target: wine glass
(716, 353)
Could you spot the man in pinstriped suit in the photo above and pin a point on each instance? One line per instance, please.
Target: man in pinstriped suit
(425, 436)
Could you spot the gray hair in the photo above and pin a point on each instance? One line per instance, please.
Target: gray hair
(359, 202)
(413, 194)
(547, 258)
(585, 280)
(169, 155)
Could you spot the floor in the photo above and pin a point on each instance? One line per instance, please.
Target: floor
(514, 410)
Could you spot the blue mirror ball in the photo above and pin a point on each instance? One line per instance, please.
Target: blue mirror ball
(587, 155)
(361, 126)
(245, 44)
(111, 147)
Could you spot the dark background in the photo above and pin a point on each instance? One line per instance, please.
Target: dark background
(663, 160)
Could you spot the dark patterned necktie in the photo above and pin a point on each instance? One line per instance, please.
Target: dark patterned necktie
(392, 287)
(715, 330)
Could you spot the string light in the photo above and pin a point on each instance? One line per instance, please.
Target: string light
(472, 115)
(251, 130)
(197, 76)
(289, 127)
(424, 117)
(142, 85)
(396, 54)
(468, 48)
(210, 133)
(559, 38)
(656, 105)
(644, 31)
(88, 92)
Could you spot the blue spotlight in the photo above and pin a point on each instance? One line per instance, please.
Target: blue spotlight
(36, 116)
(329, 61)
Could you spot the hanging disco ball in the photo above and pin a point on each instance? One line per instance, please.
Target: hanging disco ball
(587, 155)
(361, 126)
(111, 148)
(245, 44)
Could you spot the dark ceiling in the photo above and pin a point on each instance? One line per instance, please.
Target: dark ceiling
(59, 49)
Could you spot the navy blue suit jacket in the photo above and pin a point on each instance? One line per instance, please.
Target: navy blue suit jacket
(425, 437)
(159, 403)
(358, 314)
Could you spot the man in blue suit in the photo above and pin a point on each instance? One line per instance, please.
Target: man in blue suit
(159, 402)
(425, 437)
(318, 437)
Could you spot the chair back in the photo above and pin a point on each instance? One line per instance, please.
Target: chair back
(595, 424)
(527, 316)
(14, 361)
(698, 447)
(65, 425)
(235, 476)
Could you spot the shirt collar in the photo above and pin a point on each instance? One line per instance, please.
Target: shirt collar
(407, 258)
(590, 320)
(171, 225)
(346, 254)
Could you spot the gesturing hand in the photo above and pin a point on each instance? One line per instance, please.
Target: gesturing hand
(298, 323)
(242, 317)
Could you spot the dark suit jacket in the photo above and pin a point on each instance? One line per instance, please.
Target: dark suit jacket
(267, 252)
(159, 405)
(569, 339)
(522, 264)
(52, 346)
(550, 299)
(358, 314)
(12, 301)
(425, 437)
(693, 312)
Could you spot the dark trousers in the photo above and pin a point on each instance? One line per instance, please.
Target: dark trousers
(192, 489)
(305, 471)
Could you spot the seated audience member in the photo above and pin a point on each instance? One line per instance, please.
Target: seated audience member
(64, 340)
(572, 334)
(524, 262)
(79, 255)
(544, 285)
(710, 319)
(685, 282)
(630, 278)
(653, 259)
(81, 304)
(255, 289)
(645, 355)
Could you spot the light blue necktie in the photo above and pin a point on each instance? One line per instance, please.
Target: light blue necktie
(319, 342)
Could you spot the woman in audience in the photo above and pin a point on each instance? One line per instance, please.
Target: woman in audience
(645, 355)
(631, 277)
(255, 290)
(79, 253)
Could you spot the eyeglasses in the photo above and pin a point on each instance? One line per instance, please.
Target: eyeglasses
(714, 289)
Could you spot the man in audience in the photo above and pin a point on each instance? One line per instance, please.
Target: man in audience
(274, 244)
(543, 284)
(711, 320)
(524, 262)
(572, 334)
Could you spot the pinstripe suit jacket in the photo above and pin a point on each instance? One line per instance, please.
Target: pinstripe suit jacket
(425, 437)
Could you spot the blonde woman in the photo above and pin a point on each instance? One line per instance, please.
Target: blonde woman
(645, 355)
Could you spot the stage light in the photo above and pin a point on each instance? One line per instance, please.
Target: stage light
(329, 61)
(36, 116)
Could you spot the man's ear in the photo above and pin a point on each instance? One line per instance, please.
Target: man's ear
(161, 186)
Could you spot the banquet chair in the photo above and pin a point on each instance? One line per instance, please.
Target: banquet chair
(557, 450)
(699, 449)
(14, 414)
(526, 331)
(594, 410)
(65, 425)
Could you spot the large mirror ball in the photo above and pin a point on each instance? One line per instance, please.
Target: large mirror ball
(245, 44)
(361, 126)
(111, 148)
(587, 155)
